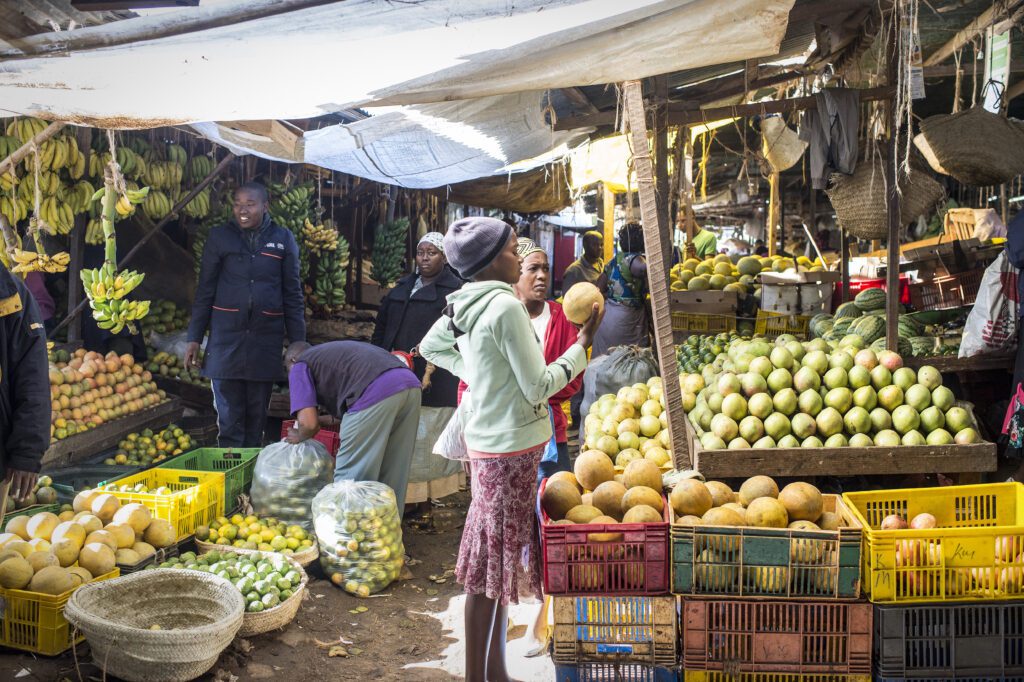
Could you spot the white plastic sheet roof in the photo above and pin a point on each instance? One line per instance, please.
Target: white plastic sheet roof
(470, 75)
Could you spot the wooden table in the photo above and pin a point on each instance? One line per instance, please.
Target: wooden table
(847, 461)
(84, 445)
(953, 364)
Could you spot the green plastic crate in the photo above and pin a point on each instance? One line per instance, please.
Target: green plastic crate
(28, 511)
(237, 465)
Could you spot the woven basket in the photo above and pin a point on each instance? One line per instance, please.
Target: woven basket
(198, 613)
(303, 558)
(780, 144)
(279, 616)
(860, 199)
(975, 146)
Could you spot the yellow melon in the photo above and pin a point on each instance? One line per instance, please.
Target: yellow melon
(587, 499)
(642, 472)
(688, 520)
(83, 500)
(566, 476)
(20, 546)
(829, 521)
(802, 501)
(766, 512)
(583, 514)
(722, 516)
(127, 557)
(137, 516)
(41, 525)
(556, 500)
(690, 497)
(104, 506)
(123, 534)
(736, 507)
(19, 526)
(15, 573)
(51, 580)
(90, 522)
(66, 515)
(66, 551)
(69, 530)
(161, 533)
(103, 536)
(39, 545)
(592, 468)
(604, 537)
(721, 494)
(642, 513)
(642, 495)
(144, 549)
(755, 487)
(97, 558)
(608, 498)
(578, 302)
(83, 575)
(40, 560)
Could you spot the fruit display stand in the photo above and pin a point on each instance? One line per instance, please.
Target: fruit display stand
(236, 465)
(35, 622)
(844, 461)
(192, 395)
(773, 563)
(733, 636)
(105, 436)
(615, 629)
(975, 552)
(609, 559)
(702, 312)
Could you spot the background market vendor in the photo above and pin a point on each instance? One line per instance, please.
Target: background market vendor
(376, 397)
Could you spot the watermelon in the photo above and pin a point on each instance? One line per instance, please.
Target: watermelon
(848, 309)
(870, 299)
(869, 328)
(904, 347)
(842, 325)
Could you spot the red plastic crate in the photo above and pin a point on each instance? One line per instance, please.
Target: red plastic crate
(574, 565)
(745, 635)
(328, 435)
(859, 285)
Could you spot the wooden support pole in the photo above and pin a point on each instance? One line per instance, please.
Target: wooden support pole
(608, 225)
(657, 274)
(687, 204)
(844, 264)
(24, 150)
(993, 14)
(773, 211)
(224, 163)
(661, 168)
(76, 249)
(892, 205)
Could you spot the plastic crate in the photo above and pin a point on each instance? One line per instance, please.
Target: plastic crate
(772, 325)
(328, 435)
(576, 566)
(746, 635)
(769, 562)
(614, 672)
(615, 629)
(69, 481)
(948, 291)
(35, 622)
(197, 500)
(949, 641)
(236, 465)
(976, 553)
(706, 676)
(161, 555)
(702, 323)
(29, 511)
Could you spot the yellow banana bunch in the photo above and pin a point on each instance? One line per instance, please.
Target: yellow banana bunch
(77, 169)
(79, 196)
(199, 207)
(30, 261)
(198, 168)
(106, 289)
(57, 214)
(5, 259)
(14, 209)
(94, 232)
(157, 205)
(116, 315)
(26, 128)
(8, 180)
(319, 239)
(8, 145)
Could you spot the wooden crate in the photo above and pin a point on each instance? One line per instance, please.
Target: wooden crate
(959, 223)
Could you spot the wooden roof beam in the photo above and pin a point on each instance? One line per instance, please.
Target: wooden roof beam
(994, 14)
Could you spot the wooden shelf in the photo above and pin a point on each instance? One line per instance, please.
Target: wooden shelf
(89, 443)
(951, 363)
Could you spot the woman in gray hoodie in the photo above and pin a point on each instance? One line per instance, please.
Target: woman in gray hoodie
(485, 337)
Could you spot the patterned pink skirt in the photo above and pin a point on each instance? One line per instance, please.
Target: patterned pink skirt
(500, 552)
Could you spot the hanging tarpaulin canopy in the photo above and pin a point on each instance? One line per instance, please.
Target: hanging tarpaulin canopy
(357, 53)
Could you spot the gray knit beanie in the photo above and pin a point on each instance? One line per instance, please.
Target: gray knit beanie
(471, 244)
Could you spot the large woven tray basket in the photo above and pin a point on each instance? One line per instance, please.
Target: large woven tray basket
(198, 615)
(975, 146)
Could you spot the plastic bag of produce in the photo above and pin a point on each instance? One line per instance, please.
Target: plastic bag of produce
(992, 323)
(173, 343)
(623, 366)
(286, 479)
(360, 535)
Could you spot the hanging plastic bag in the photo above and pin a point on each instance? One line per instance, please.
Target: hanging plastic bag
(992, 323)
(360, 535)
(623, 366)
(287, 477)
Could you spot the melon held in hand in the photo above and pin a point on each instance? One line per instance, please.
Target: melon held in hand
(578, 302)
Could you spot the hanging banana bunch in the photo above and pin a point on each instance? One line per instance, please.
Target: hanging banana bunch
(389, 252)
(157, 205)
(329, 287)
(199, 207)
(198, 167)
(319, 239)
(14, 209)
(37, 261)
(176, 154)
(25, 128)
(57, 215)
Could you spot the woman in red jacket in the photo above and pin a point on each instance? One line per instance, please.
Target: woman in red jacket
(555, 334)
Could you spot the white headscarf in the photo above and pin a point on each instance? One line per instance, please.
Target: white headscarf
(435, 239)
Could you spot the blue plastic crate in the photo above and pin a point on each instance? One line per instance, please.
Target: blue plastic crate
(615, 672)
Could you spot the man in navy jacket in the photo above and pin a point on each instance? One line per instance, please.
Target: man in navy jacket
(24, 386)
(249, 297)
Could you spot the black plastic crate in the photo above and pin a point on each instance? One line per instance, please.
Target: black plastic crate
(947, 641)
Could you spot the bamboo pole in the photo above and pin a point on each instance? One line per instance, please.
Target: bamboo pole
(224, 163)
(608, 203)
(25, 149)
(657, 273)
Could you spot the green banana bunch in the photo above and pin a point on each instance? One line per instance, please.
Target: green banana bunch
(198, 167)
(94, 232)
(199, 207)
(8, 145)
(389, 252)
(176, 154)
(26, 128)
(106, 289)
(329, 286)
(157, 205)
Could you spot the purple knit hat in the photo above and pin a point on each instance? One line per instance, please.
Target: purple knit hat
(471, 244)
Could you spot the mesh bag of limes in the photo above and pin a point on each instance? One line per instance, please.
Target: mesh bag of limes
(286, 477)
(360, 535)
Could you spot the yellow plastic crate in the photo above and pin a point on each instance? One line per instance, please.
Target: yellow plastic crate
(772, 325)
(702, 323)
(35, 622)
(975, 554)
(198, 497)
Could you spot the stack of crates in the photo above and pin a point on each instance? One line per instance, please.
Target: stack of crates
(614, 618)
(947, 600)
(772, 605)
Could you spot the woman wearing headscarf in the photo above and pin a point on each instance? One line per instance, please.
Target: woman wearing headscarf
(405, 315)
(624, 284)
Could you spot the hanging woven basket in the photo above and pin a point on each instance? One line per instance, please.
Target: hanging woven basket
(975, 146)
(780, 144)
(860, 201)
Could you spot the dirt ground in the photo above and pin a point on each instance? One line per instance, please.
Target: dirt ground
(412, 631)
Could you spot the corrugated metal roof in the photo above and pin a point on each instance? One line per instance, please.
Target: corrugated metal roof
(20, 19)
